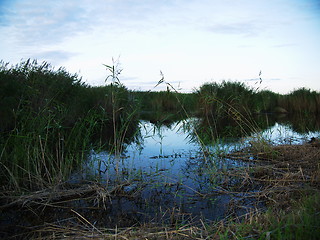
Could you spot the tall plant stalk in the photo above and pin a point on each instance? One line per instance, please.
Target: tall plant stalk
(115, 82)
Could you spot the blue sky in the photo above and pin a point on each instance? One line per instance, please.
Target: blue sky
(190, 41)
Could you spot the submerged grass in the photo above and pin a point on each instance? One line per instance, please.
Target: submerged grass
(301, 221)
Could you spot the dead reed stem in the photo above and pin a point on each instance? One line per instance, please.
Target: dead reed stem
(277, 177)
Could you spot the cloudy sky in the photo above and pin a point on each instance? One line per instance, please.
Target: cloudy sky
(190, 41)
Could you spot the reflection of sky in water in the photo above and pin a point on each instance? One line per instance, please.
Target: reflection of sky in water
(163, 148)
(165, 140)
(283, 134)
(170, 148)
(166, 160)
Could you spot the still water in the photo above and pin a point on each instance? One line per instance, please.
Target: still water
(167, 172)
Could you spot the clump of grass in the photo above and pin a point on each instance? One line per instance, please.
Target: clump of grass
(231, 99)
(166, 101)
(51, 121)
(38, 152)
(226, 110)
(216, 99)
(301, 222)
(301, 101)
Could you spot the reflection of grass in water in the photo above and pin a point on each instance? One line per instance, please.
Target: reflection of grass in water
(44, 164)
(219, 183)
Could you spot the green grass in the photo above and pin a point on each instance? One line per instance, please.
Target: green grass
(50, 120)
(48, 114)
(214, 99)
(302, 222)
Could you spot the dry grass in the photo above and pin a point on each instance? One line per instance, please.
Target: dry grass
(280, 176)
(283, 173)
(86, 231)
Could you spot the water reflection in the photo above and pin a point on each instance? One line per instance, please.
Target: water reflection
(171, 169)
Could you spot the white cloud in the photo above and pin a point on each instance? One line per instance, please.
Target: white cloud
(191, 41)
(239, 28)
(54, 56)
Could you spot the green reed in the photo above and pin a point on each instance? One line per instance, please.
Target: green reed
(123, 111)
(302, 101)
(40, 151)
(226, 110)
(50, 120)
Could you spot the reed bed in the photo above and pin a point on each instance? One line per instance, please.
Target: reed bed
(50, 120)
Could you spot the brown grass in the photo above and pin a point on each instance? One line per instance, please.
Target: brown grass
(279, 176)
(284, 173)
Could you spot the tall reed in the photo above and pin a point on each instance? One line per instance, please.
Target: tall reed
(226, 107)
(301, 101)
(51, 120)
(123, 111)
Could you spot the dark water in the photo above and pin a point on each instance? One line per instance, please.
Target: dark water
(166, 177)
(172, 175)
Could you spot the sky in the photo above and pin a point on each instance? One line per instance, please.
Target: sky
(191, 42)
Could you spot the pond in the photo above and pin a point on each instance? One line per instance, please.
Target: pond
(168, 176)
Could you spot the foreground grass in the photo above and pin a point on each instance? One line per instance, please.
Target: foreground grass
(301, 222)
(288, 180)
(290, 186)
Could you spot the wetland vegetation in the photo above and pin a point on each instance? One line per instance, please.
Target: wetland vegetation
(226, 161)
